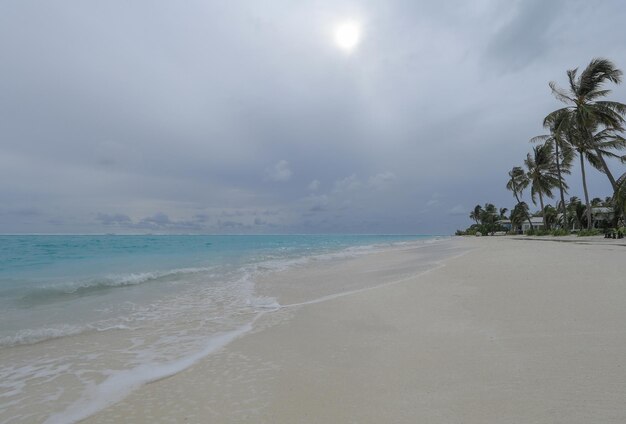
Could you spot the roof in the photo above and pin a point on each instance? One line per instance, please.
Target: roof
(601, 209)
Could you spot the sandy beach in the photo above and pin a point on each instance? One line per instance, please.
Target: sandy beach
(505, 330)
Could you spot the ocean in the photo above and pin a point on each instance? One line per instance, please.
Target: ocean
(86, 319)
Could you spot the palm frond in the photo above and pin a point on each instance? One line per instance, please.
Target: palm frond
(595, 74)
(559, 93)
(540, 138)
(573, 84)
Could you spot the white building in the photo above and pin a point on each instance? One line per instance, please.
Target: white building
(537, 223)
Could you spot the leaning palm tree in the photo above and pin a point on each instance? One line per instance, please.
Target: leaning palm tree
(557, 123)
(588, 112)
(593, 150)
(518, 182)
(542, 174)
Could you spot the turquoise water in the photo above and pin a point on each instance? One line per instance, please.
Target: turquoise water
(38, 272)
(82, 314)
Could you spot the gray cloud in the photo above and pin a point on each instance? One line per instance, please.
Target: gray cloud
(114, 219)
(244, 117)
(279, 172)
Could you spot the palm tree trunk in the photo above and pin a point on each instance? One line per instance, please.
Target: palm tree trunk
(543, 212)
(558, 170)
(607, 171)
(526, 213)
(582, 167)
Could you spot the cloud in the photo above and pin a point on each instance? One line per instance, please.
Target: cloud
(279, 172)
(382, 180)
(157, 222)
(458, 210)
(314, 185)
(347, 184)
(317, 203)
(219, 113)
(114, 219)
(526, 36)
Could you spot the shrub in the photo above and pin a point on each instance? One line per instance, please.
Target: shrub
(537, 232)
(559, 232)
(588, 233)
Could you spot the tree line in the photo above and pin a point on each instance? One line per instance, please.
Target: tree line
(588, 128)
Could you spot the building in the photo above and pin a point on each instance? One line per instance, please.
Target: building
(602, 217)
(525, 226)
(537, 223)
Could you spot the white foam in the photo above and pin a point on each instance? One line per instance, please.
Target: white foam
(120, 280)
(121, 383)
(37, 335)
(263, 302)
(30, 336)
(157, 351)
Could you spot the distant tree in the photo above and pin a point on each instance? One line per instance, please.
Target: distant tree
(550, 215)
(518, 182)
(619, 198)
(557, 123)
(475, 214)
(542, 174)
(489, 215)
(519, 214)
(576, 213)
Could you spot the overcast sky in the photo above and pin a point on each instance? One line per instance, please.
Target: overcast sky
(245, 117)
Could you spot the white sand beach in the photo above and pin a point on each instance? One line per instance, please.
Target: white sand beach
(512, 331)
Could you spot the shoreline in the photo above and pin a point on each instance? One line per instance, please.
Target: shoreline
(73, 403)
(387, 353)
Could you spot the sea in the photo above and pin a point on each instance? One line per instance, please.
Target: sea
(86, 319)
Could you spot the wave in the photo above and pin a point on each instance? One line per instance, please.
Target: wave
(278, 265)
(38, 335)
(50, 291)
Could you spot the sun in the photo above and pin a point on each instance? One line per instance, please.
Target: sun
(348, 35)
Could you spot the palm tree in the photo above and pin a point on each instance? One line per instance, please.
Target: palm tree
(619, 198)
(593, 150)
(518, 182)
(542, 174)
(503, 212)
(576, 211)
(475, 214)
(587, 112)
(557, 124)
(550, 215)
(518, 215)
(489, 214)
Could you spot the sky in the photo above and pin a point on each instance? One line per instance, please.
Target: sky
(156, 116)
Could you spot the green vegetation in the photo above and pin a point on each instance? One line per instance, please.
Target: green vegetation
(588, 128)
(557, 232)
(587, 233)
(487, 220)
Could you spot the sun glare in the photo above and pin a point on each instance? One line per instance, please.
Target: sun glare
(347, 35)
